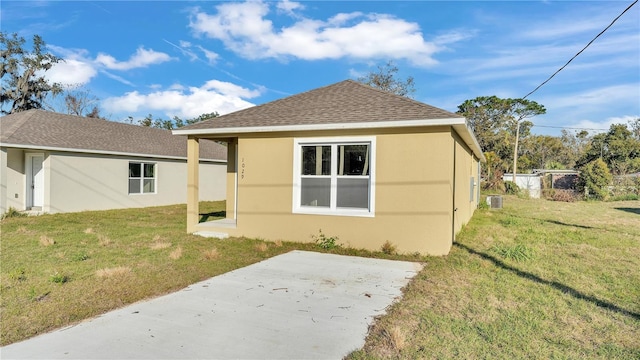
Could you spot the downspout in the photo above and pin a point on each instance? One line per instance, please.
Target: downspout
(478, 189)
(453, 217)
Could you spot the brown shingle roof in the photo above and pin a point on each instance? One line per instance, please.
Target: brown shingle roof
(341, 103)
(39, 128)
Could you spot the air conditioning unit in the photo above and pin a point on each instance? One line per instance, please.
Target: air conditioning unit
(494, 201)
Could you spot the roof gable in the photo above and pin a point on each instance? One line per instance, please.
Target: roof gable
(39, 128)
(341, 103)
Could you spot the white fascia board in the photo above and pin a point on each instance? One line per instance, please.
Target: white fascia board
(312, 127)
(102, 152)
(467, 135)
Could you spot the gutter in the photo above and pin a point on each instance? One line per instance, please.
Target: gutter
(459, 125)
(101, 152)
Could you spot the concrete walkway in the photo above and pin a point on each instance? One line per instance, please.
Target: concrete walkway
(299, 305)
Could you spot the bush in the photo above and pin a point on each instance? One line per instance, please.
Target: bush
(594, 179)
(565, 195)
(511, 188)
(626, 197)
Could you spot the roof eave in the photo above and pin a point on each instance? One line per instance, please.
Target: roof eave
(458, 123)
(326, 126)
(469, 138)
(99, 152)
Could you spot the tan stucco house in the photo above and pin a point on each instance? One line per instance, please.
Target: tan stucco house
(358, 163)
(52, 163)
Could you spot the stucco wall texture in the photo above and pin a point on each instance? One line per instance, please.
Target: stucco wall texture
(416, 192)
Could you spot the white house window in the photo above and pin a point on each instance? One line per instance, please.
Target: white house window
(142, 178)
(334, 176)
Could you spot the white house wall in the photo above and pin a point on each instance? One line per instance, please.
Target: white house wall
(78, 182)
(12, 180)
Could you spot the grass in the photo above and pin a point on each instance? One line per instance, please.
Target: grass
(536, 279)
(56, 270)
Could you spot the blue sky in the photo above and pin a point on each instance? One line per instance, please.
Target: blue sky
(185, 58)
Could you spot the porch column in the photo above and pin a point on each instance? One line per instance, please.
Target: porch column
(193, 180)
(232, 177)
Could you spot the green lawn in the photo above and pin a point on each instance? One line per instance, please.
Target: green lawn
(536, 279)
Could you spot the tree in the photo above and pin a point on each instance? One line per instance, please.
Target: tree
(171, 124)
(594, 179)
(574, 145)
(498, 123)
(542, 150)
(24, 86)
(520, 109)
(385, 79)
(618, 148)
(486, 116)
(77, 100)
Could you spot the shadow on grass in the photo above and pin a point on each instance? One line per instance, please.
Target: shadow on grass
(631, 210)
(212, 216)
(565, 224)
(554, 284)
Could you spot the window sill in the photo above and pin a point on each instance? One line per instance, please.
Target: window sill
(336, 212)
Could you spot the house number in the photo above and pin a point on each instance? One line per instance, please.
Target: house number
(242, 173)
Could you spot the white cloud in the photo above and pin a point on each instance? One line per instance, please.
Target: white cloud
(142, 58)
(288, 7)
(245, 29)
(186, 103)
(71, 72)
(603, 125)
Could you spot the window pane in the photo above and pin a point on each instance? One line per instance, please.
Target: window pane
(315, 192)
(134, 170)
(134, 186)
(316, 160)
(353, 193)
(149, 186)
(353, 160)
(149, 170)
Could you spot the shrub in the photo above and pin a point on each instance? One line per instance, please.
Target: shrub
(11, 213)
(325, 242)
(483, 205)
(511, 188)
(565, 195)
(548, 193)
(626, 197)
(594, 179)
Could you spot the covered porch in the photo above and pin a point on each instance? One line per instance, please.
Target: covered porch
(219, 228)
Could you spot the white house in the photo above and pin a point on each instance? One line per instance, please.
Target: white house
(53, 162)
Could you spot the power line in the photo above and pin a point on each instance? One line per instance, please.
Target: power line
(583, 49)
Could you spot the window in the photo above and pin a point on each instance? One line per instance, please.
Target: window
(142, 178)
(334, 176)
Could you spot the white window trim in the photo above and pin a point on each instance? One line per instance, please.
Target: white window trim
(155, 178)
(333, 210)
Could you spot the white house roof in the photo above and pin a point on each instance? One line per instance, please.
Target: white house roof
(39, 129)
